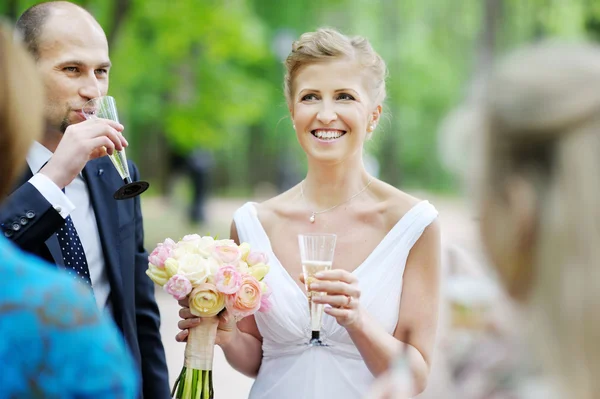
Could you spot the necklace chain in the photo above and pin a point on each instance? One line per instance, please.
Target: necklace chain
(315, 213)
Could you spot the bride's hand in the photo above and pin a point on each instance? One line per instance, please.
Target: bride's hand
(225, 331)
(342, 293)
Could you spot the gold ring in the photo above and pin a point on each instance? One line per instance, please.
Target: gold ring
(349, 302)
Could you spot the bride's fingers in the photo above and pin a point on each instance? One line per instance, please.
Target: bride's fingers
(186, 313)
(182, 336)
(189, 323)
(335, 287)
(337, 275)
(342, 315)
(338, 301)
(184, 303)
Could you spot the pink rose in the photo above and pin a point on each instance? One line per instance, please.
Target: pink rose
(265, 302)
(228, 280)
(254, 258)
(178, 286)
(161, 253)
(228, 254)
(247, 300)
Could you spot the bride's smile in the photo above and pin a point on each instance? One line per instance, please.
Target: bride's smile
(328, 135)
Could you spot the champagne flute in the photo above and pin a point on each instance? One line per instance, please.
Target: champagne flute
(106, 108)
(316, 254)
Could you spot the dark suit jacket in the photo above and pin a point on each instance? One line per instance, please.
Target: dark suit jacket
(30, 221)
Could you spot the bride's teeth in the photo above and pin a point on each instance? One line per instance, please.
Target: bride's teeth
(328, 135)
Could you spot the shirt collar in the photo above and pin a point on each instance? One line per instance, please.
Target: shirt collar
(38, 156)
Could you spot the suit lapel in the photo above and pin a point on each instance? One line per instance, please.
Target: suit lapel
(101, 185)
(55, 250)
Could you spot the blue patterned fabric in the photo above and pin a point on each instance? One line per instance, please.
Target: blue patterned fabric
(53, 341)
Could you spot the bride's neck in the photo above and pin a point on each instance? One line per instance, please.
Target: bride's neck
(324, 187)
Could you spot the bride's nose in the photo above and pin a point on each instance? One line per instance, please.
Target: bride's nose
(327, 114)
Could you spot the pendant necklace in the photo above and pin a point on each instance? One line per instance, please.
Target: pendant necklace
(315, 213)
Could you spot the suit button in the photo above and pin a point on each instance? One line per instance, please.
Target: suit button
(16, 226)
(8, 234)
(30, 214)
(57, 208)
(24, 221)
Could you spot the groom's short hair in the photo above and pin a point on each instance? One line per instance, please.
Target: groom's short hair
(31, 23)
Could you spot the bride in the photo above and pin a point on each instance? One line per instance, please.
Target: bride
(382, 292)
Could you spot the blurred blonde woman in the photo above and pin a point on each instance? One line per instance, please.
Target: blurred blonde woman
(539, 197)
(540, 202)
(49, 324)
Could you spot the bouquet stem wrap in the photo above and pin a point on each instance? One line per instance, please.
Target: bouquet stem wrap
(195, 380)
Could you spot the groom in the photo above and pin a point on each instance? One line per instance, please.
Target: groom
(63, 209)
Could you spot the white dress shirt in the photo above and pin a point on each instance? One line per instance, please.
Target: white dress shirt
(75, 201)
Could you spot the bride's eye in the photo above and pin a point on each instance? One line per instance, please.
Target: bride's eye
(345, 96)
(309, 97)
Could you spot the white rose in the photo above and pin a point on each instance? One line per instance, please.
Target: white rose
(194, 244)
(195, 268)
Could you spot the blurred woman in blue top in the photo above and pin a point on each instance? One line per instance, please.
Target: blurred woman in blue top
(55, 343)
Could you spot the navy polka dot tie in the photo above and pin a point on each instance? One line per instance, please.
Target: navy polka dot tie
(73, 254)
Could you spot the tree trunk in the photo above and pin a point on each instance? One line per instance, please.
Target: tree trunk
(12, 10)
(120, 10)
(390, 162)
(484, 55)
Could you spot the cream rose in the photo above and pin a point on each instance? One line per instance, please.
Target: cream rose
(157, 274)
(259, 271)
(206, 300)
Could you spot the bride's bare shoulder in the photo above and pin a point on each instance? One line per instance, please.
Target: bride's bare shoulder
(278, 207)
(393, 203)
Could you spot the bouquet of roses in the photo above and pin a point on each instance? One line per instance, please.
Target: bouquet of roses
(215, 275)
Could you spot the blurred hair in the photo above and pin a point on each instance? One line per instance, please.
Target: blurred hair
(328, 44)
(21, 107)
(541, 123)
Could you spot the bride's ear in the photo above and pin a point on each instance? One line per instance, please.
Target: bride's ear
(375, 116)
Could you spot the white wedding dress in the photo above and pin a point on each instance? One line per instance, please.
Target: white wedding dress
(292, 370)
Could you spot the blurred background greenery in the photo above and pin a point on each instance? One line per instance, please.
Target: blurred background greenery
(207, 74)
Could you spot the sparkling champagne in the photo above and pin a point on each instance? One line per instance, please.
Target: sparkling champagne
(119, 159)
(310, 268)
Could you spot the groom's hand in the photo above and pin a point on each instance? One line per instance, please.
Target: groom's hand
(80, 143)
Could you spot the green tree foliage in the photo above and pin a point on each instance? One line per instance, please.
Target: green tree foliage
(208, 74)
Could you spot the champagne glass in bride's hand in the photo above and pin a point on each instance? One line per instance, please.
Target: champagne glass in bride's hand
(316, 254)
(105, 108)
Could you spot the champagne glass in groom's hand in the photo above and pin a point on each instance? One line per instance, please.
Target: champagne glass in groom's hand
(105, 107)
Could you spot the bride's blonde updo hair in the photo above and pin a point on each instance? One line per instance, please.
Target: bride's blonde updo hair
(328, 44)
(541, 123)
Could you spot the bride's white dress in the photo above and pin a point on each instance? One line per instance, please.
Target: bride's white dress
(292, 370)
